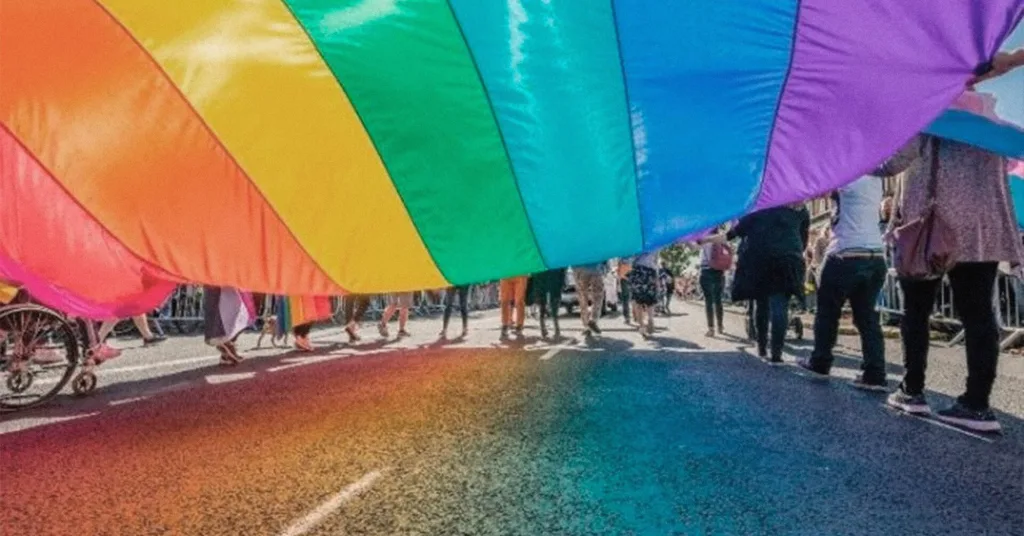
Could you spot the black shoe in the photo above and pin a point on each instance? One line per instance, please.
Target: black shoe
(913, 404)
(776, 360)
(593, 327)
(808, 365)
(155, 340)
(964, 417)
(762, 353)
(861, 382)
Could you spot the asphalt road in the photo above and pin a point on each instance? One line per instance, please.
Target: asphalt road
(677, 435)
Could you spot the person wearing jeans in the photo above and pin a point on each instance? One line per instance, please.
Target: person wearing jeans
(980, 329)
(972, 196)
(712, 285)
(854, 270)
(770, 269)
(449, 304)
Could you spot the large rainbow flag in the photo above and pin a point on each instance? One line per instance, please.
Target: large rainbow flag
(321, 147)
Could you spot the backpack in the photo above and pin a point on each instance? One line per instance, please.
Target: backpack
(721, 257)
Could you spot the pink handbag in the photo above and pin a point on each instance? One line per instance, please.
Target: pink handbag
(925, 248)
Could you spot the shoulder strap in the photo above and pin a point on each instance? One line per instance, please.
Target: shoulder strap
(933, 173)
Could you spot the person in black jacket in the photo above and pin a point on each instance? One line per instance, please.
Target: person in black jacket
(770, 269)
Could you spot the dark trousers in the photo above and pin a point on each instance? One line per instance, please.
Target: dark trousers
(355, 307)
(712, 285)
(449, 303)
(624, 298)
(775, 306)
(550, 299)
(972, 298)
(302, 330)
(858, 280)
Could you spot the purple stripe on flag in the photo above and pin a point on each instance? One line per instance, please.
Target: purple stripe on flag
(843, 111)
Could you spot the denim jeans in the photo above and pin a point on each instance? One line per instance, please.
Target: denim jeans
(712, 284)
(972, 297)
(777, 307)
(860, 281)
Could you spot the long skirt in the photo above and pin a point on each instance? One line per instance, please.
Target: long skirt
(226, 314)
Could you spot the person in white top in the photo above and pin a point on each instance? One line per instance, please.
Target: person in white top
(853, 270)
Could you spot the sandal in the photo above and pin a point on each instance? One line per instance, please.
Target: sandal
(228, 355)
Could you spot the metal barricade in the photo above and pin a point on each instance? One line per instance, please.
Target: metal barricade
(1007, 302)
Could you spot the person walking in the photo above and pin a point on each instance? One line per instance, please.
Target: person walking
(141, 324)
(853, 270)
(512, 293)
(622, 269)
(354, 308)
(770, 270)
(968, 189)
(399, 302)
(667, 280)
(715, 260)
(226, 314)
(643, 287)
(547, 295)
(590, 289)
(462, 292)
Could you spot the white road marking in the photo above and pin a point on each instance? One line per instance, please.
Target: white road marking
(294, 362)
(551, 353)
(124, 401)
(25, 424)
(216, 379)
(314, 518)
(940, 424)
(164, 364)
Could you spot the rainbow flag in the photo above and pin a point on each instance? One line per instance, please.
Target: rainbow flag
(326, 147)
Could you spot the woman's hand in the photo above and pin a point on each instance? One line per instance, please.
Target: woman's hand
(1002, 63)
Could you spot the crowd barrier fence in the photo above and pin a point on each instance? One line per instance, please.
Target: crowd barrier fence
(183, 310)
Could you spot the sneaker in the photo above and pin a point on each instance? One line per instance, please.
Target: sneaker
(543, 332)
(868, 385)
(403, 333)
(504, 333)
(913, 404)
(444, 335)
(465, 332)
(964, 417)
(593, 327)
(103, 352)
(808, 365)
(710, 333)
(721, 330)
(383, 330)
(586, 333)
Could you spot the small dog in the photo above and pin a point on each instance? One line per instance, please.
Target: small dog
(270, 328)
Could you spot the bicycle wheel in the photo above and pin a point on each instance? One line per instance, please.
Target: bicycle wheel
(41, 352)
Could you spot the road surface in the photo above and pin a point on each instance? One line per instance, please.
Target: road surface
(677, 435)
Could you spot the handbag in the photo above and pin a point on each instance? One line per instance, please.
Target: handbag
(925, 248)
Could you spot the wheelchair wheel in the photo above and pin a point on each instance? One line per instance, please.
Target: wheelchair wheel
(40, 355)
(84, 384)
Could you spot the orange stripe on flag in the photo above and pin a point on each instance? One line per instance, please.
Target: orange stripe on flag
(99, 114)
